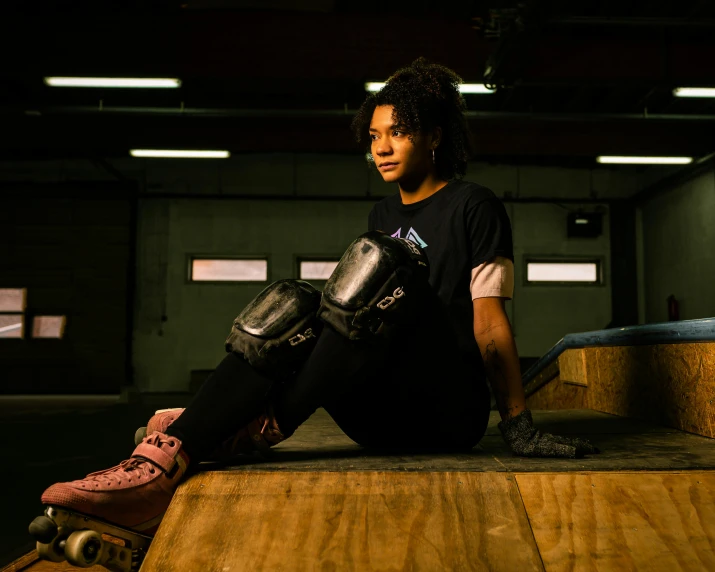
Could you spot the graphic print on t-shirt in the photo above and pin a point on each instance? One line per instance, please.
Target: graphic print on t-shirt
(411, 235)
(466, 225)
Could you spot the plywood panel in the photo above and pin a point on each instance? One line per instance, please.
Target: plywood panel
(30, 563)
(542, 378)
(617, 521)
(383, 520)
(572, 367)
(671, 384)
(558, 395)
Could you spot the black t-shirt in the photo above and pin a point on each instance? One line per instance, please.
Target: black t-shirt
(459, 227)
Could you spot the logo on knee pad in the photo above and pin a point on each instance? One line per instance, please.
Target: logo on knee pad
(300, 338)
(411, 245)
(390, 300)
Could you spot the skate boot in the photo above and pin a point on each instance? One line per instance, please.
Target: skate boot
(259, 435)
(110, 517)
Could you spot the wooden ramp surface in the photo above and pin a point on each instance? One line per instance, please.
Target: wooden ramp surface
(439, 521)
(345, 521)
(323, 503)
(622, 521)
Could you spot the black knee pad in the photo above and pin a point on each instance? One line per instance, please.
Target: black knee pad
(277, 330)
(378, 283)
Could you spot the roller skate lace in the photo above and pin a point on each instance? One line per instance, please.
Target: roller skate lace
(265, 426)
(124, 469)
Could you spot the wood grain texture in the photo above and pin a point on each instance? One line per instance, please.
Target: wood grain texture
(345, 521)
(559, 395)
(30, 563)
(616, 521)
(671, 384)
(572, 367)
(21, 563)
(542, 378)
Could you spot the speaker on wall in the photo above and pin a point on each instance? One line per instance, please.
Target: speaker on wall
(584, 225)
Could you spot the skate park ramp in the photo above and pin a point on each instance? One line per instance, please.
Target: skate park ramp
(643, 395)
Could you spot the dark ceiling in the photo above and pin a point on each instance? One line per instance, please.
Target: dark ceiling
(575, 79)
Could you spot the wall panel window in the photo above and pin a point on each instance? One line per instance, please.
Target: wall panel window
(48, 326)
(72, 258)
(12, 312)
(564, 271)
(226, 269)
(316, 268)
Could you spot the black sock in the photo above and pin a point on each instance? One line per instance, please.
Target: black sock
(232, 396)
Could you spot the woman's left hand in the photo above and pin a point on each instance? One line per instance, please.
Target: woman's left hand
(526, 441)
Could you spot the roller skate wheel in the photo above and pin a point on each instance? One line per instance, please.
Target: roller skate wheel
(84, 548)
(43, 529)
(139, 435)
(51, 551)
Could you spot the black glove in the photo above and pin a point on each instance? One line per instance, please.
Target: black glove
(526, 441)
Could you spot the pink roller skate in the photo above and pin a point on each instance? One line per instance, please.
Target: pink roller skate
(260, 434)
(110, 517)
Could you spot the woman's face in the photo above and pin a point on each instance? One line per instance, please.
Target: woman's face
(396, 157)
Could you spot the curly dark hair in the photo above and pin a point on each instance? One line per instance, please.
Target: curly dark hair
(424, 95)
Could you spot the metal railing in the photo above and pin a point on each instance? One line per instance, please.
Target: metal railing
(701, 330)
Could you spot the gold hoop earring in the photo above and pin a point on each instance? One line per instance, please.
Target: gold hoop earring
(433, 156)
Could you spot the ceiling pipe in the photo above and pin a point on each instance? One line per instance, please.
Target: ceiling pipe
(634, 22)
(327, 113)
(698, 167)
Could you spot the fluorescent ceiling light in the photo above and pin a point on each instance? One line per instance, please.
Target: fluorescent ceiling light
(463, 87)
(646, 160)
(474, 88)
(694, 92)
(179, 154)
(112, 82)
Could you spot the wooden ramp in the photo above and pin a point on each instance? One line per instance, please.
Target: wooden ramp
(438, 521)
(345, 521)
(323, 503)
(622, 521)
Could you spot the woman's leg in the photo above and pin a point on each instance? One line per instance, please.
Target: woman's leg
(414, 390)
(336, 366)
(229, 399)
(235, 392)
(428, 397)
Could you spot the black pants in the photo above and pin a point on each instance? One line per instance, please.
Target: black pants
(414, 390)
(424, 395)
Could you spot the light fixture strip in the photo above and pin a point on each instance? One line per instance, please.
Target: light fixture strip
(179, 154)
(373, 86)
(694, 92)
(644, 160)
(135, 82)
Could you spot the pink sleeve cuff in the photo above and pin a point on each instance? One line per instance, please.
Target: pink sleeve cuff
(493, 279)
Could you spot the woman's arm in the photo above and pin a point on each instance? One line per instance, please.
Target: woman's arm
(492, 332)
(496, 342)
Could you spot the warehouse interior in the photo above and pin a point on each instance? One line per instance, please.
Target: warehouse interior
(102, 317)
